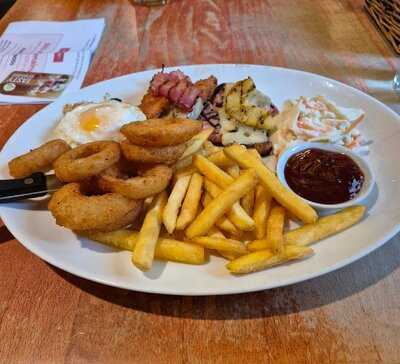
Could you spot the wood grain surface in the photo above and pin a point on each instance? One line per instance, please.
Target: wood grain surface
(348, 316)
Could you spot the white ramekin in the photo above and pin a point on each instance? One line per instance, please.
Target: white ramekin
(296, 147)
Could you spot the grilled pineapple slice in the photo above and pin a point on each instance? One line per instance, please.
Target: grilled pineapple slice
(233, 101)
(238, 107)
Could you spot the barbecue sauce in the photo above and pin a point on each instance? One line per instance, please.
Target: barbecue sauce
(323, 176)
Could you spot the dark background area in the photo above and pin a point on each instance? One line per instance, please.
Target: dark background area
(5, 5)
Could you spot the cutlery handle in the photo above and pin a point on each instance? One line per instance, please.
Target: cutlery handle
(19, 189)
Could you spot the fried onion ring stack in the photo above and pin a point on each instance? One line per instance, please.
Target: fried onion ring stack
(106, 181)
(158, 140)
(153, 145)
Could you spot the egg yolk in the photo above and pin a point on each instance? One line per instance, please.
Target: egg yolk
(89, 120)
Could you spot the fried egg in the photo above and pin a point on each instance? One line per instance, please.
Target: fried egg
(91, 122)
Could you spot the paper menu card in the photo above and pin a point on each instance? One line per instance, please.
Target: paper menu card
(40, 60)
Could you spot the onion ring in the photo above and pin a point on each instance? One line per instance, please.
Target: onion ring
(86, 160)
(126, 220)
(136, 153)
(151, 182)
(76, 211)
(37, 160)
(161, 132)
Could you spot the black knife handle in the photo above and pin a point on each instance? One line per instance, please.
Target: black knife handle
(19, 189)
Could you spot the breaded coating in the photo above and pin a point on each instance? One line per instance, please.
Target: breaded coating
(154, 106)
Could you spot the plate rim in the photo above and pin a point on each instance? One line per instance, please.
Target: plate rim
(287, 282)
(177, 292)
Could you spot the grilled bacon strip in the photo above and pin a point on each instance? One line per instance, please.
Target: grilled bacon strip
(179, 89)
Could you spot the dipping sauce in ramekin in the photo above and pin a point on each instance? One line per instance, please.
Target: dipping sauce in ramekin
(323, 176)
(326, 175)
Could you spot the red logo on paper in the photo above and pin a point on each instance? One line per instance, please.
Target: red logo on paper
(59, 56)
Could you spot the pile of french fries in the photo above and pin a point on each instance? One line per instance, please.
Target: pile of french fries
(225, 201)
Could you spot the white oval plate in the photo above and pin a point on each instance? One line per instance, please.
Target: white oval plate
(34, 227)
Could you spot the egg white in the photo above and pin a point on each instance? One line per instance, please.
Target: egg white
(105, 121)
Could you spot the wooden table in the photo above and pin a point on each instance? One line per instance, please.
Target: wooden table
(348, 316)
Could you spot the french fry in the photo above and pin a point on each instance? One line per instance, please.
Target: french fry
(221, 160)
(262, 205)
(221, 244)
(212, 189)
(275, 224)
(233, 171)
(260, 244)
(325, 226)
(215, 233)
(212, 172)
(291, 252)
(186, 171)
(222, 180)
(143, 253)
(265, 259)
(255, 153)
(171, 210)
(253, 262)
(279, 192)
(247, 202)
(179, 251)
(121, 239)
(218, 206)
(311, 233)
(191, 202)
(196, 142)
(223, 222)
(210, 148)
(236, 214)
(166, 249)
